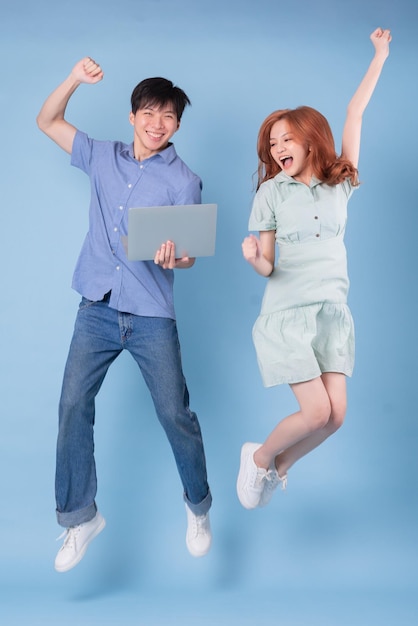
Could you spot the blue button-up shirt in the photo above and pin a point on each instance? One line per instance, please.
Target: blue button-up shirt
(118, 182)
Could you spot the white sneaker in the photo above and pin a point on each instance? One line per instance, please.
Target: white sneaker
(251, 479)
(76, 542)
(198, 536)
(271, 483)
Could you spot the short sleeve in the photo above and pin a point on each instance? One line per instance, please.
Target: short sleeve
(82, 151)
(348, 187)
(192, 193)
(262, 213)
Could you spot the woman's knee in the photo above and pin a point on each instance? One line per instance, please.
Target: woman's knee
(337, 417)
(335, 386)
(314, 403)
(319, 414)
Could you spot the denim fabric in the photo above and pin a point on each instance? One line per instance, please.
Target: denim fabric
(100, 334)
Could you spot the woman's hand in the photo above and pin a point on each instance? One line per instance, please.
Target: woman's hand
(259, 252)
(380, 39)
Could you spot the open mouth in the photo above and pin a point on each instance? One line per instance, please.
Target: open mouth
(155, 136)
(286, 161)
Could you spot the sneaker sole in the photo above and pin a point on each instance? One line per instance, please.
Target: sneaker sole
(83, 551)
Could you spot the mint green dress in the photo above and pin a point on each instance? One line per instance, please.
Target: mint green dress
(305, 327)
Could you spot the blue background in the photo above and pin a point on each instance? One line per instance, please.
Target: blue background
(340, 546)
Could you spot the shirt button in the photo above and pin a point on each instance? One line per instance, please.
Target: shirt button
(129, 186)
(115, 229)
(118, 267)
(121, 208)
(141, 167)
(317, 235)
(316, 217)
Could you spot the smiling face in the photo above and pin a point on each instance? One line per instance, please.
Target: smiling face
(291, 155)
(153, 128)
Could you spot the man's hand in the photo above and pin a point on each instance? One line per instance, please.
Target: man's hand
(87, 71)
(51, 118)
(165, 257)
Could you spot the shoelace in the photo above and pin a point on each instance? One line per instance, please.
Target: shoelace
(283, 480)
(70, 535)
(257, 478)
(199, 524)
(273, 478)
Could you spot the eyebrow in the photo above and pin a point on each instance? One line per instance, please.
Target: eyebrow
(287, 132)
(151, 107)
(282, 135)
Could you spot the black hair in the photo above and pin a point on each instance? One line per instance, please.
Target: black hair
(158, 91)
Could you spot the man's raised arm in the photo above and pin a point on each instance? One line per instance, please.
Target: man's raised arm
(51, 118)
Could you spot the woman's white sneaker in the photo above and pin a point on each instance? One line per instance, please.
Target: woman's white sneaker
(251, 479)
(76, 542)
(273, 480)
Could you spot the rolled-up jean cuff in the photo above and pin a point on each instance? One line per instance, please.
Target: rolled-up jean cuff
(74, 518)
(203, 507)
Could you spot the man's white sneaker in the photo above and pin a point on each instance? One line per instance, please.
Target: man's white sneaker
(273, 480)
(198, 536)
(251, 479)
(76, 542)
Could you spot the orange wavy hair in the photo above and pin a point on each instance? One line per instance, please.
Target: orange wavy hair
(311, 128)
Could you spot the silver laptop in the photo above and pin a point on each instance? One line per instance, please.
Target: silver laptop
(192, 227)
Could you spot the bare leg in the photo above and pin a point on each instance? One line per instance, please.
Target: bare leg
(322, 403)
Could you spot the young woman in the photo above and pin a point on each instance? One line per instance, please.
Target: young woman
(304, 335)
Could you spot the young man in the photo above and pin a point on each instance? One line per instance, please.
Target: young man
(125, 305)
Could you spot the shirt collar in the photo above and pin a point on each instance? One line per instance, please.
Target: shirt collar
(282, 177)
(168, 154)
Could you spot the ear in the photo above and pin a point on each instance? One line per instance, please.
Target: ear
(131, 118)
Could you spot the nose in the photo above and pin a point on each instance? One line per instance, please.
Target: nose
(158, 121)
(277, 148)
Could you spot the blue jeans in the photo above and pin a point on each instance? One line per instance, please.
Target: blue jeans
(100, 335)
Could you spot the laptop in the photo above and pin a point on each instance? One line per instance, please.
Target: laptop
(192, 227)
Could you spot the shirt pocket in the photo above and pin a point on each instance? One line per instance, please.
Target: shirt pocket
(289, 238)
